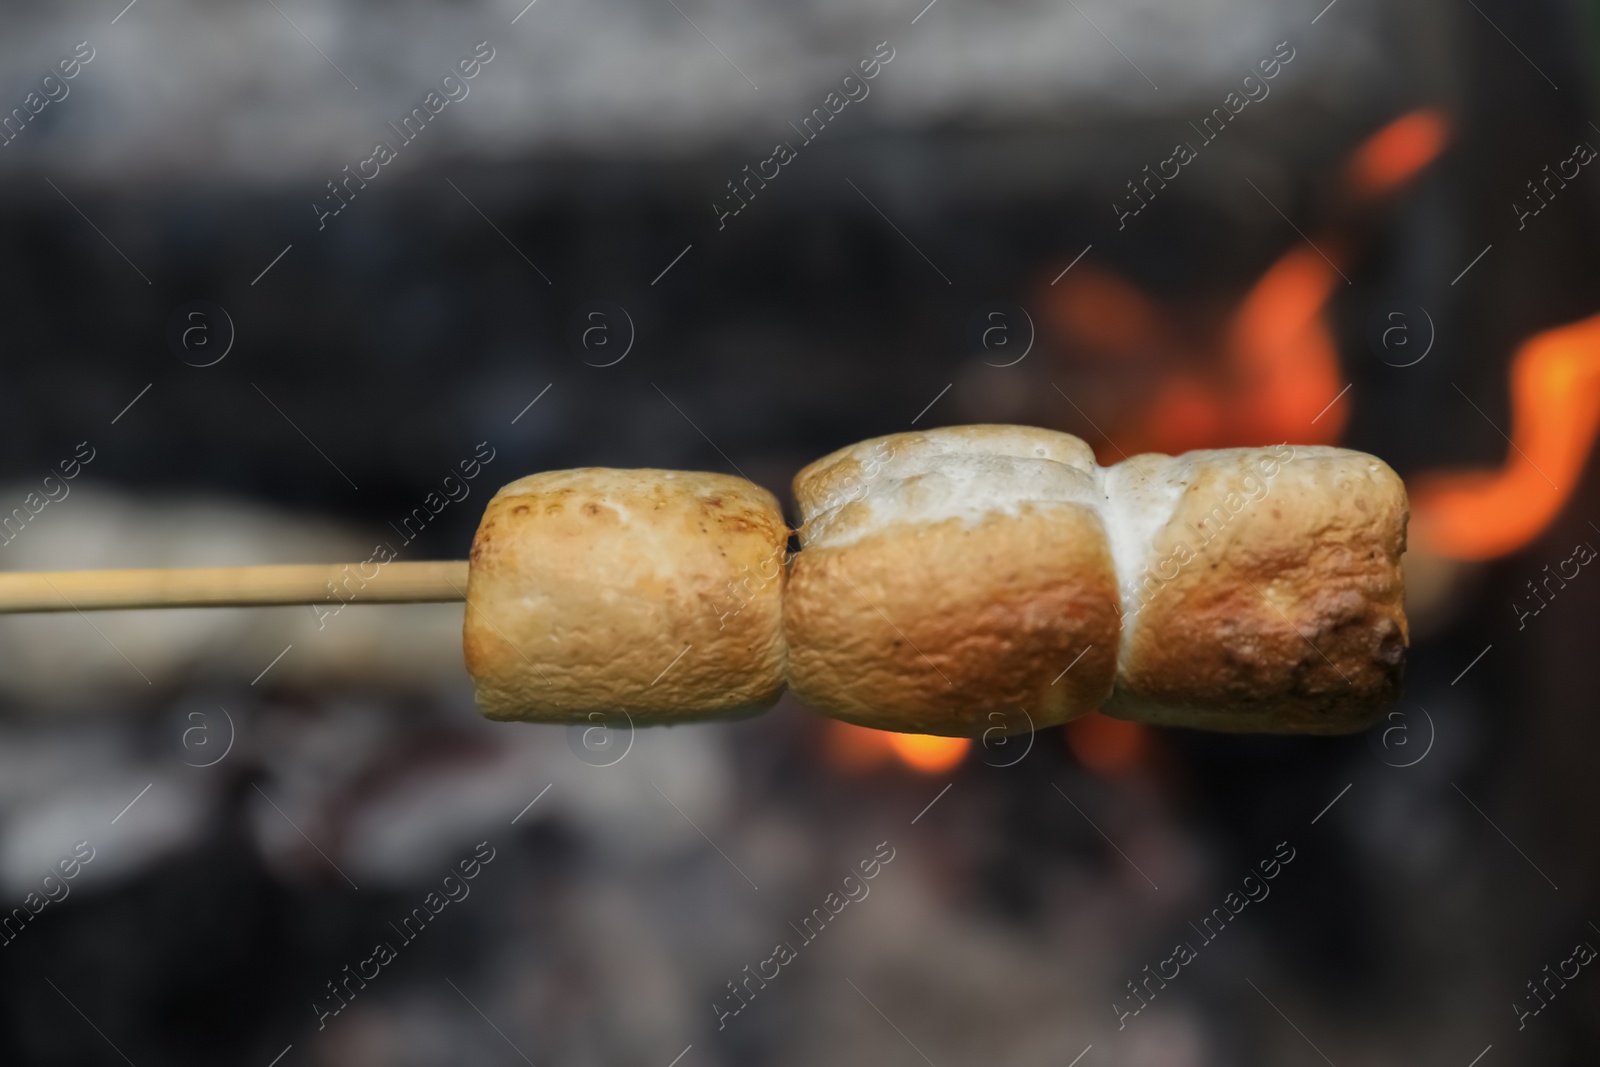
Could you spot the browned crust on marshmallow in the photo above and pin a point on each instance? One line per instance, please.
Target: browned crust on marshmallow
(586, 586)
(930, 629)
(1289, 617)
(959, 625)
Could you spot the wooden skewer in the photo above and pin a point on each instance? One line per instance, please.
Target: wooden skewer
(215, 587)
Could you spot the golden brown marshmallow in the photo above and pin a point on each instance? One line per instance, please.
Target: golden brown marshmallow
(626, 591)
(1262, 589)
(948, 579)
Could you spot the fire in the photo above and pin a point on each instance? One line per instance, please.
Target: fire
(927, 753)
(857, 748)
(1108, 313)
(1284, 353)
(1393, 155)
(1272, 371)
(1106, 746)
(1273, 377)
(1555, 412)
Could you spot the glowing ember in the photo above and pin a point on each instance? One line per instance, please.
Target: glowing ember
(1106, 746)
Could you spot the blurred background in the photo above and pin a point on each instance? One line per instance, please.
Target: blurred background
(251, 336)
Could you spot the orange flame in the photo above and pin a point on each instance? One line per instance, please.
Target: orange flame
(1277, 378)
(1108, 313)
(1280, 344)
(1555, 412)
(927, 753)
(858, 748)
(1392, 156)
(1274, 374)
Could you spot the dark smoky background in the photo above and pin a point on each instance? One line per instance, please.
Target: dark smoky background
(250, 801)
